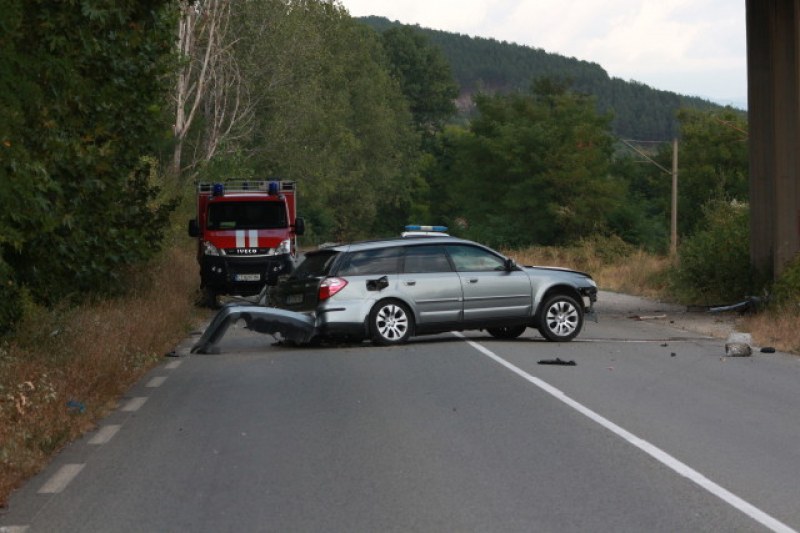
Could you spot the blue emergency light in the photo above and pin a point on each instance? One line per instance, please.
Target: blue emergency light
(274, 187)
(426, 228)
(219, 189)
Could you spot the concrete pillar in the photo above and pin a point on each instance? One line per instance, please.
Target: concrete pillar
(773, 51)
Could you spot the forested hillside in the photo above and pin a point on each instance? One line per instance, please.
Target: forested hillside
(478, 64)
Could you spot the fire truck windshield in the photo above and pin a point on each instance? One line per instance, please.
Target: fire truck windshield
(246, 215)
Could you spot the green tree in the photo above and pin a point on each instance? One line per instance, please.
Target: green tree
(424, 76)
(535, 169)
(83, 92)
(713, 163)
(328, 114)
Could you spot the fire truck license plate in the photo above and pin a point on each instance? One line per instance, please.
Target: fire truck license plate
(247, 277)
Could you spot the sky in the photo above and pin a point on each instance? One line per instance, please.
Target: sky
(692, 47)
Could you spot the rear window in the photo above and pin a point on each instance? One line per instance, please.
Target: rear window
(369, 262)
(315, 265)
(246, 215)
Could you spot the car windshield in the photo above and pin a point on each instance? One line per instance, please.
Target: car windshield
(246, 215)
(315, 265)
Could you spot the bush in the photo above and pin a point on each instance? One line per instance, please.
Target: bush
(715, 261)
(786, 290)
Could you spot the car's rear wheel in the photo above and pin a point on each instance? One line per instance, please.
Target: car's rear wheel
(561, 318)
(391, 322)
(507, 332)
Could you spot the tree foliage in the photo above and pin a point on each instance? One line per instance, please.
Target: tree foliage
(534, 168)
(83, 91)
(328, 114)
(713, 163)
(424, 76)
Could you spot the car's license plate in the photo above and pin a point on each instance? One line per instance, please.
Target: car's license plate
(294, 298)
(247, 277)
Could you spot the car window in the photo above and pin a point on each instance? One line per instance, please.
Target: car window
(368, 262)
(474, 259)
(422, 259)
(315, 265)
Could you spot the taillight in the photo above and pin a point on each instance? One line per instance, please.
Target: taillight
(331, 286)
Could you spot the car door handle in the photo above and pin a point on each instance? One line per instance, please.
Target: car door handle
(411, 283)
(474, 280)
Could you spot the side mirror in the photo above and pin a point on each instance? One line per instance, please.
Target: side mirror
(299, 226)
(194, 229)
(510, 264)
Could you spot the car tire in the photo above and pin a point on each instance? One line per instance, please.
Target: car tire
(390, 323)
(507, 332)
(560, 318)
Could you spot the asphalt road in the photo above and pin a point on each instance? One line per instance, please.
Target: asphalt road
(652, 429)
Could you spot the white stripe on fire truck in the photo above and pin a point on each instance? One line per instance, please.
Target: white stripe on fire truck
(240, 238)
(253, 238)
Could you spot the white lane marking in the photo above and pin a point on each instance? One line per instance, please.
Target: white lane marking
(658, 454)
(105, 434)
(156, 382)
(134, 404)
(61, 479)
(173, 365)
(13, 529)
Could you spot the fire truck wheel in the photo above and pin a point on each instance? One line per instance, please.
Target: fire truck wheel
(210, 298)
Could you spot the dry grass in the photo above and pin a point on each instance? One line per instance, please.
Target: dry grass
(779, 328)
(627, 270)
(66, 369)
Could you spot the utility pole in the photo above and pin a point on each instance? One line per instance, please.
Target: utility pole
(673, 240)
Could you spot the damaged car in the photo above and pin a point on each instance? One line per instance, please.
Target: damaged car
(391, 290)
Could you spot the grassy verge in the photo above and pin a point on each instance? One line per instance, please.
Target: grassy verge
(64, 370)
(613, 265)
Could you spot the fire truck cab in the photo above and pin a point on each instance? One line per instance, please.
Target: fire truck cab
(246, 235)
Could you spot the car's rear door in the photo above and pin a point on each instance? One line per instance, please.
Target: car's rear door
(491, 292)
(429, 281)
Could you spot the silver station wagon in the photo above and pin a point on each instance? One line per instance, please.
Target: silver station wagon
(391, 290)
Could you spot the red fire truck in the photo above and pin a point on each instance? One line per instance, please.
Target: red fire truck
(246, 235)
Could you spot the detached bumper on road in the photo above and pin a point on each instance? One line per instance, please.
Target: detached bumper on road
(292, 326)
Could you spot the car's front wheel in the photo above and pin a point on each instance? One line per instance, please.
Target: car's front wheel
(507, 332)
(561, 318)
(390, 323)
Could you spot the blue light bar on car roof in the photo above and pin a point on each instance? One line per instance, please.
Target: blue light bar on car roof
(426, 228)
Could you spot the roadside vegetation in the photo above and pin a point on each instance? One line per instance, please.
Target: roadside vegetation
(67, 367)
(101, 146)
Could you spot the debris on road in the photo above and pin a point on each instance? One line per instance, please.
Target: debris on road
(557, 361)
(739, 345)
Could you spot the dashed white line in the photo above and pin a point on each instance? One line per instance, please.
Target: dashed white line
(105, 434)
(134, 404)
(173, 365)
(156, 382)
(658, 454)
(61, 479)
(13, 529)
